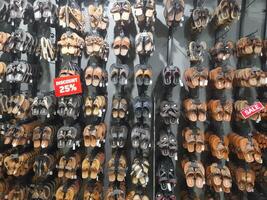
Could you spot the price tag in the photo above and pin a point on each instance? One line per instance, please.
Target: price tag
(69, 85)
(251, 110)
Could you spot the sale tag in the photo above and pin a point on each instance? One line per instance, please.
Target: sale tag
(69, 85)
(251, 110)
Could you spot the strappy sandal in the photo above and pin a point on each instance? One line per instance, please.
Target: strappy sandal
(145, 138)
(125, 11)
(122, 136)
(191, 110)
(123, 108)
(97, 165)
(115, 107)
(167, 75)
(123, 75)
(121, 168)
(117, 45)
(125, 46)
(115, 74)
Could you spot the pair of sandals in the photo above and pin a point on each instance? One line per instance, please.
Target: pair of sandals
(69, 106)
(142, 107)
(196, 51)
(44, 105)
(246, 148)
(248, 46)
(45, 164)
(219, 146)
(165, 196)
(143, 75)
(44, 136)
(95, 76)
(140, 137)
(94, 135)
(194, 140)
(168, 144)
(46, 50)
(222, 51)
(220, 111)
(260, 172)
(71, 43)
(39, 191)
(4, 37)
(92, 166)
(145, 12)
(174, 12)
(121, 45)
(118, 136)
(70, 69)
(97, 18)
(250, 77)
(16, 105)
(69, 165)
(95, 106)
(116, 192)
(68, 137)
(21, 41)
(169, 111)
(117, 168)
(171, 75)
(166, 175)
(68, 191)
(239, 105)
(121, 12)
(97, 46)
(18, 10)
(119, 108)
(45, 11)
(18, 192)
(261, 139)
(194, 172)
(200, 18)
(195, 110)
(144, 43)
(19, 72)
(227, 12)
(245, 179)
(219, 178)
(119, 74)
(139, 173)
(71, 16)
(5, 186)
(20, 135)
(136, 195)
(93, 191)
(19, 164)
(196, 77)
(222, 78)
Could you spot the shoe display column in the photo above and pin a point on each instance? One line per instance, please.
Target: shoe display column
(121, 112)
(95, 98)
(69, 136)
(168, 109)
(141, 134)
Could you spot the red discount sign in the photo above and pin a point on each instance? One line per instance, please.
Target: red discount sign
(251, 110)
(68, 85)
